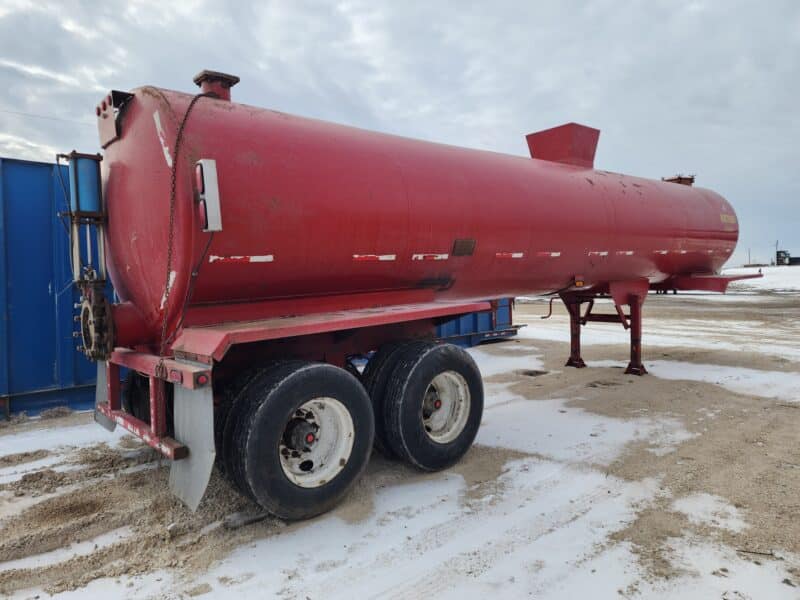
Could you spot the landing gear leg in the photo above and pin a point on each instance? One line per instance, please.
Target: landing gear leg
(635, 366)
(574, 310)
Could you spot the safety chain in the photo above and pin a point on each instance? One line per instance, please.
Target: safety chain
(170, 242)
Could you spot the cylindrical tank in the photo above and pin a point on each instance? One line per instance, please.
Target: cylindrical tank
(310, 208)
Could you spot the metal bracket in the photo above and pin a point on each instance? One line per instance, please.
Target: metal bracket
(109, 116)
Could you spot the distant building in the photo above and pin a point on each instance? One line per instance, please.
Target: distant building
(782, 257)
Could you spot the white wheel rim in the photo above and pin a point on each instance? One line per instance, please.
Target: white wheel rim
(317, 463)
(445, 407)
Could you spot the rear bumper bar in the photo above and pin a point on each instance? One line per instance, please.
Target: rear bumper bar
(160, 371)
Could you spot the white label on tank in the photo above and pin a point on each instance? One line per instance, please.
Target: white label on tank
(162, 139)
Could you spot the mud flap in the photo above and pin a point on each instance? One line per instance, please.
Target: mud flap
(100, 396)
(194, 427)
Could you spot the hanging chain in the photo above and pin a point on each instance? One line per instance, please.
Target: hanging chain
(171, 240)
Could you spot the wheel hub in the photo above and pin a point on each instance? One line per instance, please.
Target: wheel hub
(300, 434)
(445, 408)
(317, 442)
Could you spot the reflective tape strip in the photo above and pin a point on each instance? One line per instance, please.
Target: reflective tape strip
(430, 256)
(624, 252)
(598, 252)
(262, 258)
(548, 254)
(374, 257)
(509, 255)
(660, 251)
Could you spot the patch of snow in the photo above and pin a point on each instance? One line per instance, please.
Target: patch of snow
(775, 279)
(494, 364)
(552, 429)
(59, 438)
(765, 384)
(14, 472)
(713, 571)
(707, 509)
(67, 552)
(530, 533)
(734, 336)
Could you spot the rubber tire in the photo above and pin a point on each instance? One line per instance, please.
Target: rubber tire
(376, 379)
(415, 369)
(228, 394)
(273, 398)
(135, 400)
(136, 396)
(233, 423)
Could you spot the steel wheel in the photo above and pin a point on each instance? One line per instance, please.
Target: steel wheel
(433, 405)
(317, 442)
(445, 409)
(302, 436)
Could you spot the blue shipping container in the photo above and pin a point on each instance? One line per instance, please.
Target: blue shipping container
(473, 328)
(39, 364)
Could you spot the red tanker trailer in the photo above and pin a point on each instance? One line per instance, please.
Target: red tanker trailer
(256, 253)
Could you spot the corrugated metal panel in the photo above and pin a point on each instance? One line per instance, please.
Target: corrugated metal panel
(39, 366)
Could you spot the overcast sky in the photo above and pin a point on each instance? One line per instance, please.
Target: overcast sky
(711, 88)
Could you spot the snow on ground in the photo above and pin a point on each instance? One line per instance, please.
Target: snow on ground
(735, 336)
(710, 510)
(766, 384)
(424, 540)
(707, 571)
(58, 440)
(551, 429)
(494, 364)
(775, 279)
(62, 554)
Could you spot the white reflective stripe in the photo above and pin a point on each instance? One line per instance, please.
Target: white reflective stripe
(624, 252)
(509, 255)
(259, 258)
(598, 252)
(548, 254)
(660, 251)
(374, 257)
(430, 256)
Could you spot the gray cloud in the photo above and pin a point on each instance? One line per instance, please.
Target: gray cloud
(695, 87)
